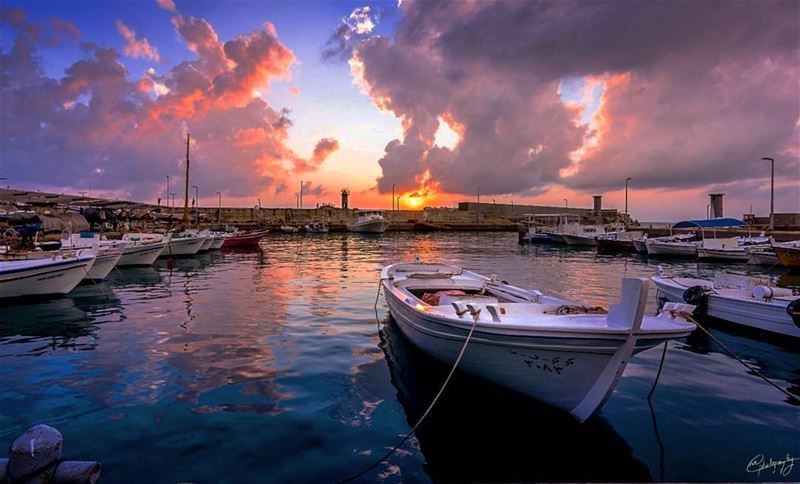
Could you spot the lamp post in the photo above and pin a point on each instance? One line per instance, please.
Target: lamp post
(196, 205)
(479, 195)
(219, 210)
(771, 194)
(626, 200)
(167, 190)
(392, 196)
(398, 201)
(566, 203)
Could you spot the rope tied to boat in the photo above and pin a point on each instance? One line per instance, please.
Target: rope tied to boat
(689, 317)
(413, 430)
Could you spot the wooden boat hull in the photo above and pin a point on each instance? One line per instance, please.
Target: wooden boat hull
(45, 277)
(141, 254)
(788, 256)
(768, 316)
(369, 227)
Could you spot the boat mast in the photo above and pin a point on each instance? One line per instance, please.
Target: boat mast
(185, 219)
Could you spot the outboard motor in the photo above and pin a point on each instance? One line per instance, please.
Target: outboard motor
(697, 296)
(793, 310)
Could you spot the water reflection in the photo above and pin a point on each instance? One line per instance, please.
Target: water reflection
(264, 364)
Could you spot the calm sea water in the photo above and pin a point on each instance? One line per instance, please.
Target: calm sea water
(268, 366)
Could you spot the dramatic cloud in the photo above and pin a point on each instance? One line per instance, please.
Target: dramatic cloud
(316, 190)
(134, 47)
(693, 93)
(100, 128)
(357, 27)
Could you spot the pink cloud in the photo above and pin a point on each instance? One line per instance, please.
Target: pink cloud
(167, 5)
(97, 117)
(294, 91)
(134, 47)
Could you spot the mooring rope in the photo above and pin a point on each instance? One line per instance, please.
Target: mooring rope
(427, 411)
(730, 352)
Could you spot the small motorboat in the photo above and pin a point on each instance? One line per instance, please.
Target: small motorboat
(744, 300)
(564, 354)
(289, 229)
(316, 228)
(243, 239)
(141, 249)
(369, 221)
(58, 274)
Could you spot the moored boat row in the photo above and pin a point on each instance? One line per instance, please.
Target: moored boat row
(51, 272)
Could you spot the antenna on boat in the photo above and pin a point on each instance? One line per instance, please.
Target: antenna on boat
(185, 219)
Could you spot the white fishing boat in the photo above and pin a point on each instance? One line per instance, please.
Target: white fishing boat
(640, 244)
(183, 244)
(369, 221)
(141, 249)
(747, 301)
(581, 235)
(316, 228)
(564, 354)
(57, 274)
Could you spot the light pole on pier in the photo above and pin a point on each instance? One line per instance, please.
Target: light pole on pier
(167, 204)
(566, 203)
(219, 210)
(626, 200)
(392, 196)
(196, 205)
(479, 195)
(771, 194)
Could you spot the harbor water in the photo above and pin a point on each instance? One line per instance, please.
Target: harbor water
(271, 365)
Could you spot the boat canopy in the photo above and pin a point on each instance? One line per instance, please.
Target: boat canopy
(709, 223)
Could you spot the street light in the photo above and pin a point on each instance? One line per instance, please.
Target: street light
(196, 205)
(392, 196)
(167, 190)
(566, 203)
(479, 195)
(626, 200)
(771, 194)
(219, 211)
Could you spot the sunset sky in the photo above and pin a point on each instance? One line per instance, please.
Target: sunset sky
(533, 102)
